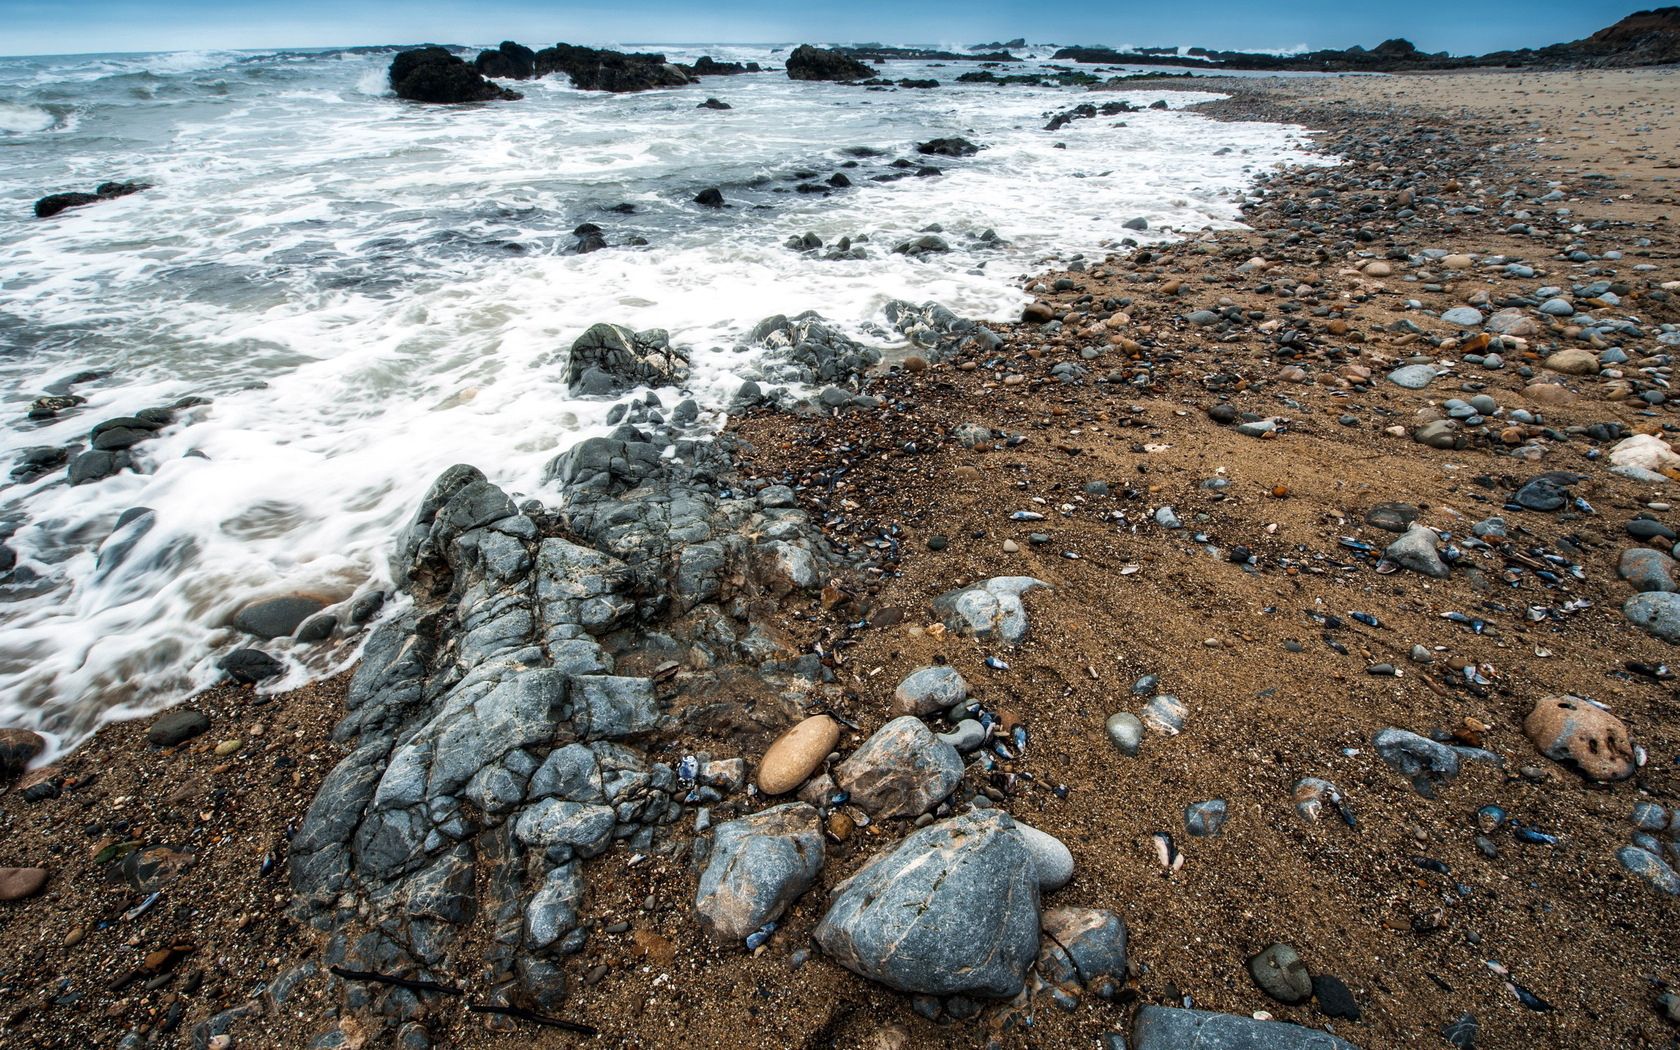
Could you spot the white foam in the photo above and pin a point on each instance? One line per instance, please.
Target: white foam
(321, 262)
(23, 120)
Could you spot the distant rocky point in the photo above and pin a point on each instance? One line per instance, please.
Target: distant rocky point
(435, 74)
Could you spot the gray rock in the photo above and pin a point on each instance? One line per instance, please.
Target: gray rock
(1084, 946)
(1415, 550)
(583, 826)
(952, 911)
(1463, 317)
(1281, 974)
(1412, 377)
(553, 910)
(1126, 731)
(759, 865)
(580, 589)
(967, 736)
(177, 727)
(1391, 517)
(1542, 495)
(1164, 714)
(1650, 867)
(609, 359)
(929, 690)
(1204, 819)
(1438, 433)
(991, 610)
(1647, 569)
(1051, 857)
(1171, 1028)
(1557, 308)
(1656, 613)
(902, 770)
(605, 707)
(1420, 758)
(277, 617)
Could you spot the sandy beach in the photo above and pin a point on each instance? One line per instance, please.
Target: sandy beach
(1236, 380)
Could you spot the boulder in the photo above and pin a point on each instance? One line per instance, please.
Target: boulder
(434, 75)
(903, 770)
(510, 61)
(991, 610)
(952, 911)
(1173, 1028)
(929, 690)
(759, 865)
(53, 203)
(948, 147)
(277, 617)
(593, 69)
(610, 359)
(1578, 732)
(815, 63)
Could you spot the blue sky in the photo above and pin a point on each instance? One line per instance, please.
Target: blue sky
(60, 27)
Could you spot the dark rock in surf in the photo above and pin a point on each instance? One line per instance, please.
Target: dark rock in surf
(250, 666)
(277, 617)
(712, 197)
(610, 358)
(713, 103)
(814, 63)
(51, 205)
(706, 66)
(592, 69)
(510, 61)
(948, 147)
(434, 75)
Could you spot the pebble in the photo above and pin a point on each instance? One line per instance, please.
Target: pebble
(1126, 731)
(928, 690)
(1648, 816)
(1334, 998)
(967, 736)
(1281, 974)
(1204, 819)
(1650, 867)
(796, 754)
(18, 883)
(1050, 856)
(1463, 317)
(1415, 550)
(1164, 714)
(177, 727)
(1412, 377)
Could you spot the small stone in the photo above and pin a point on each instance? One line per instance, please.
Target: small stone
(1415, 550)
(277, 617)
(1412, 377)
(967, 736)
(1463, 317)
(1647, 569)
(1557, 308)
(902, 770)
(1650, 867)
(1576, 731)
(1050, 856)
(1173, 1028)
(228, 747)
(1391, 517)
(1334, 998)
(177, 727)
(929, 690)
(1204, 819)
(1572, 362)
(796, 754)
(18, 748)
(1656, 613)
(1126, 731)
(1164, 714)
(18, 883)
(1281, 974)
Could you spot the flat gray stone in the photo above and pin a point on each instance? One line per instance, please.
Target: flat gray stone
(929, 690)
(1171, 1028)
(1463, 317)
(1656, 613)
(991, 610)
(1412, 377)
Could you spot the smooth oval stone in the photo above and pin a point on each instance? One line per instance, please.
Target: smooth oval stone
(967, 736)
(1648, 816)
(1281, 974)
(796, 754)
(1412, 377)
(1051, 858)
(1463, 317)
(1126, 730)
(18, 883)
(929, 689)
(1650, 867)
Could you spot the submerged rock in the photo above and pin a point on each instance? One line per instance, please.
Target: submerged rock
(609, 359)
(952, 911)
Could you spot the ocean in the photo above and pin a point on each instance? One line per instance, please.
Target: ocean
(365, 291)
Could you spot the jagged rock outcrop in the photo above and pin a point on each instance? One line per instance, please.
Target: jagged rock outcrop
(815, 63)
(609, 359)
(53, 203)
(510, 61)
(593, 69)
(436, 75)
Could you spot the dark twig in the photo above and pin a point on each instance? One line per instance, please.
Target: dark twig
(535, 1018)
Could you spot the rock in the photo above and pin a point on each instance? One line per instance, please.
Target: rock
(813, 63)
(586, 827)
(1334, 998)
(610, 359)
(1647, 451)
(1126, 731)
(709, 198)
(1415, 550)
(597, 69)
(510, 61)
(1171, 1028)
(952, 911)
(1438, 433)
(1572, 362)
(53, 203)
(1643, 863)
(1647, 569)
(949, 147)
(1557, 308)
(249, 666)
(1420, 758)
(18, 748)
(18, 883)
(1083, 946)
(1281, 974)
(1646, 529)
(1542, 393)
(177, 727)
(1576, 731)
(713, 103)
(1164, 714)
(902, 770)
(317, 628)
(1512, 322)
(1463, 317)
(968, 736)
(1051, 857)
(1204, 819)
(1412, 377)
(1656, 613)
(929, 690)
(1391, 517)
(991, 610)
(759, 865)
(433, 74)
(277, 617)
(796, 754)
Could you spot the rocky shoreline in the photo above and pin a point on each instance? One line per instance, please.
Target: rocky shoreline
(1226, 638)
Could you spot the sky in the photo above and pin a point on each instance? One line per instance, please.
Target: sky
(1473, 27)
